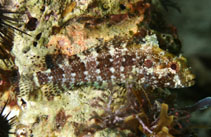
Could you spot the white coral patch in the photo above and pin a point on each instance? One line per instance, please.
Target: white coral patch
(112, 70)
(99, 78)
(73, 74)
(85, 72)
(94, 54)
(50, 78)
(122, 76)
(113, 77)
(143, 80)
(123, 59)
(48, 71)
(112, 51)
(111, 60)
(151, 39)
(161, 72)
(82, 56)
(149, 70)
(35, 79)
(177, 81)
(122, 68)
(98, 71)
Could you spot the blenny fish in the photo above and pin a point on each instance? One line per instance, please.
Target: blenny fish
(116, 63)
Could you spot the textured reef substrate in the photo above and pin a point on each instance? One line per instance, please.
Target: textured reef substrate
(55, 31)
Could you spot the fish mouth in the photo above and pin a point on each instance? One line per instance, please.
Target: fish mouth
(190, 83)
(184, 79)
(189, 79)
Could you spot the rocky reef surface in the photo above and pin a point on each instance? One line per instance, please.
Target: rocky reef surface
(52, 95)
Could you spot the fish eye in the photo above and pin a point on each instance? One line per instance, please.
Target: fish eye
(174, 66)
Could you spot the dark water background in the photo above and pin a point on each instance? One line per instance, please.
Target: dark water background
(194, 28)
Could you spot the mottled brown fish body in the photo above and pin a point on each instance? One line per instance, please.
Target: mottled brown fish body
(123, 63)
(103, 68)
